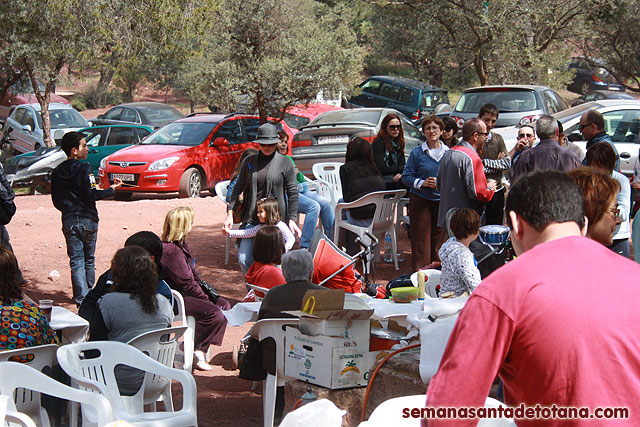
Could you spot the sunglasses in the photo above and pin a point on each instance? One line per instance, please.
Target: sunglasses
(395, 127)
(448, 129)
(525, 135)
(580, 127)
(483, 133)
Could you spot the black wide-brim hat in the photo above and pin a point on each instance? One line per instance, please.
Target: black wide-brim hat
(267, 134)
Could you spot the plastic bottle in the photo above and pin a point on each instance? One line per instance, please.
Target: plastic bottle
(420, 285)
(388, 257)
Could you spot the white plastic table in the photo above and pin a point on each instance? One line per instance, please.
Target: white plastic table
(72, 327)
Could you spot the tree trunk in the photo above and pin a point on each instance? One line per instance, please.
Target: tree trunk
(192, 105)
(481, 71)
(261, 108)
(43, 100)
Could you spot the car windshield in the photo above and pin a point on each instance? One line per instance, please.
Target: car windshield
(294, 121)
(507, 101)
(431, 99)
(160, 114)
(190, 134)
(566, 115)
(348, 116)
(63, 118)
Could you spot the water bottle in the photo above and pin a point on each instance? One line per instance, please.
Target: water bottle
(388, 254)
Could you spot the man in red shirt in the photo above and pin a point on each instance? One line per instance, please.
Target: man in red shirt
(559, 324)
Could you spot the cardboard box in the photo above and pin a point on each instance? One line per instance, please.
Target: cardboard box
(324, 313)
(326, 361)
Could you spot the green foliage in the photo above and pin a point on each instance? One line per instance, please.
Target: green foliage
(271, 54)
(78, 103)
(94, 97)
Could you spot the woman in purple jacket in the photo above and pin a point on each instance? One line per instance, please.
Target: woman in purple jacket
(180, 271)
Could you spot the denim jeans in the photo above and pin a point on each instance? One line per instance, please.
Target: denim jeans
(314, 206)
(81, 235)
(245, 257)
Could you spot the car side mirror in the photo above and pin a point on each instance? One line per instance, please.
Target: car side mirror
(100, 116)
(219, 141)
(27, 128)
(9, 129)
(575, 136)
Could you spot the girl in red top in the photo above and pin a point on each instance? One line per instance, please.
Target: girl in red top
(268, 248)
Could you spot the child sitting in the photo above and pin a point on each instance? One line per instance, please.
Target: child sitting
(268, 249)
(268, 214)
(460, 272)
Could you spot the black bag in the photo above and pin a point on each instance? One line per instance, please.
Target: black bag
(7, 210)
(208, 289)
(251, 366)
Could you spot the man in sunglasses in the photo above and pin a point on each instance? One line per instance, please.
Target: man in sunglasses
(526, 138)
(592, 128)
(548, 154)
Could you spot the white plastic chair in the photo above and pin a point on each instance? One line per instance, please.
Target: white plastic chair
(28, 402)
(273, 328)
(97, 373)
(14, 417)
(403, 205)
(386, 203)
(389, 413)
(161, 346)
(188, 338)
(431, 281)
(221, 191)
(328, 176)
(257, 288)
(19, 376)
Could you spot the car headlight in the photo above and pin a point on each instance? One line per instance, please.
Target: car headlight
(103, 163)
(163, 164)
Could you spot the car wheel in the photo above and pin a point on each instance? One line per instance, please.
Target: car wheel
(585, 88)
(190, 184)
(123, 196)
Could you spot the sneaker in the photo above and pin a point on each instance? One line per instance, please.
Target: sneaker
(201, 362)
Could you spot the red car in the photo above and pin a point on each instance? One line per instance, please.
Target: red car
(188, 155)
(300, 115)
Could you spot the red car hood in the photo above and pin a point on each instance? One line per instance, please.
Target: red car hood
(148, 153)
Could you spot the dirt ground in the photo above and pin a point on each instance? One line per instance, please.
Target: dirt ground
(36, 236)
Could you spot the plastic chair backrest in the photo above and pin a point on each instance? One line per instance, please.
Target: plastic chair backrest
(92, 365)
(386, 204)
(272, 328)
(161, 346)
(188, 338)
(432, 277)
(221, 190)
(328, 174)
(257, 289)
(16, 376)
(44, 356)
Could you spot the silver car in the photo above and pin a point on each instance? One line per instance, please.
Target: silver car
(24, 125)
(621, 121)
(518, 104)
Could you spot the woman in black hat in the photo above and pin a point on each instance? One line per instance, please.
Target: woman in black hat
(263, 175)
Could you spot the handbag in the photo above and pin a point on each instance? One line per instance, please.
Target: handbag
(251, 365)
(237, 211)
(209, 290)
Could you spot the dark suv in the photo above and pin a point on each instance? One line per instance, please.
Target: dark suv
(589, 78)
(411, 97)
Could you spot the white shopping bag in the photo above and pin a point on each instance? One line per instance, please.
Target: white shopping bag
(321, 413)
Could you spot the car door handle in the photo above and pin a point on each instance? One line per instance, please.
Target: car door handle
(93, 151)
(625, 155)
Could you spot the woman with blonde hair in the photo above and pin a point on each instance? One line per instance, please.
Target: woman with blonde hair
(182, 275)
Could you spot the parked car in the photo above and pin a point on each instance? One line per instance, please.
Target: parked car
(622, 122)
(300, 115)
(597, 95)
(589, 77)
(154, 114)
(325, 138)
(412, 98)
(24, 125)
(188, 155)
(518, 104)
(105, 140)
(22, 93)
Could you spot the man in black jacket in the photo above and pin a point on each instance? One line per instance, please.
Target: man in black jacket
(74, 193)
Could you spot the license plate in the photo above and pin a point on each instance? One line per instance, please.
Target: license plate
(123, 176)
(333, 139)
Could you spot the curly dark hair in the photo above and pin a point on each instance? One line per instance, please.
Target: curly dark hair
(134, 272)
(10, 289)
